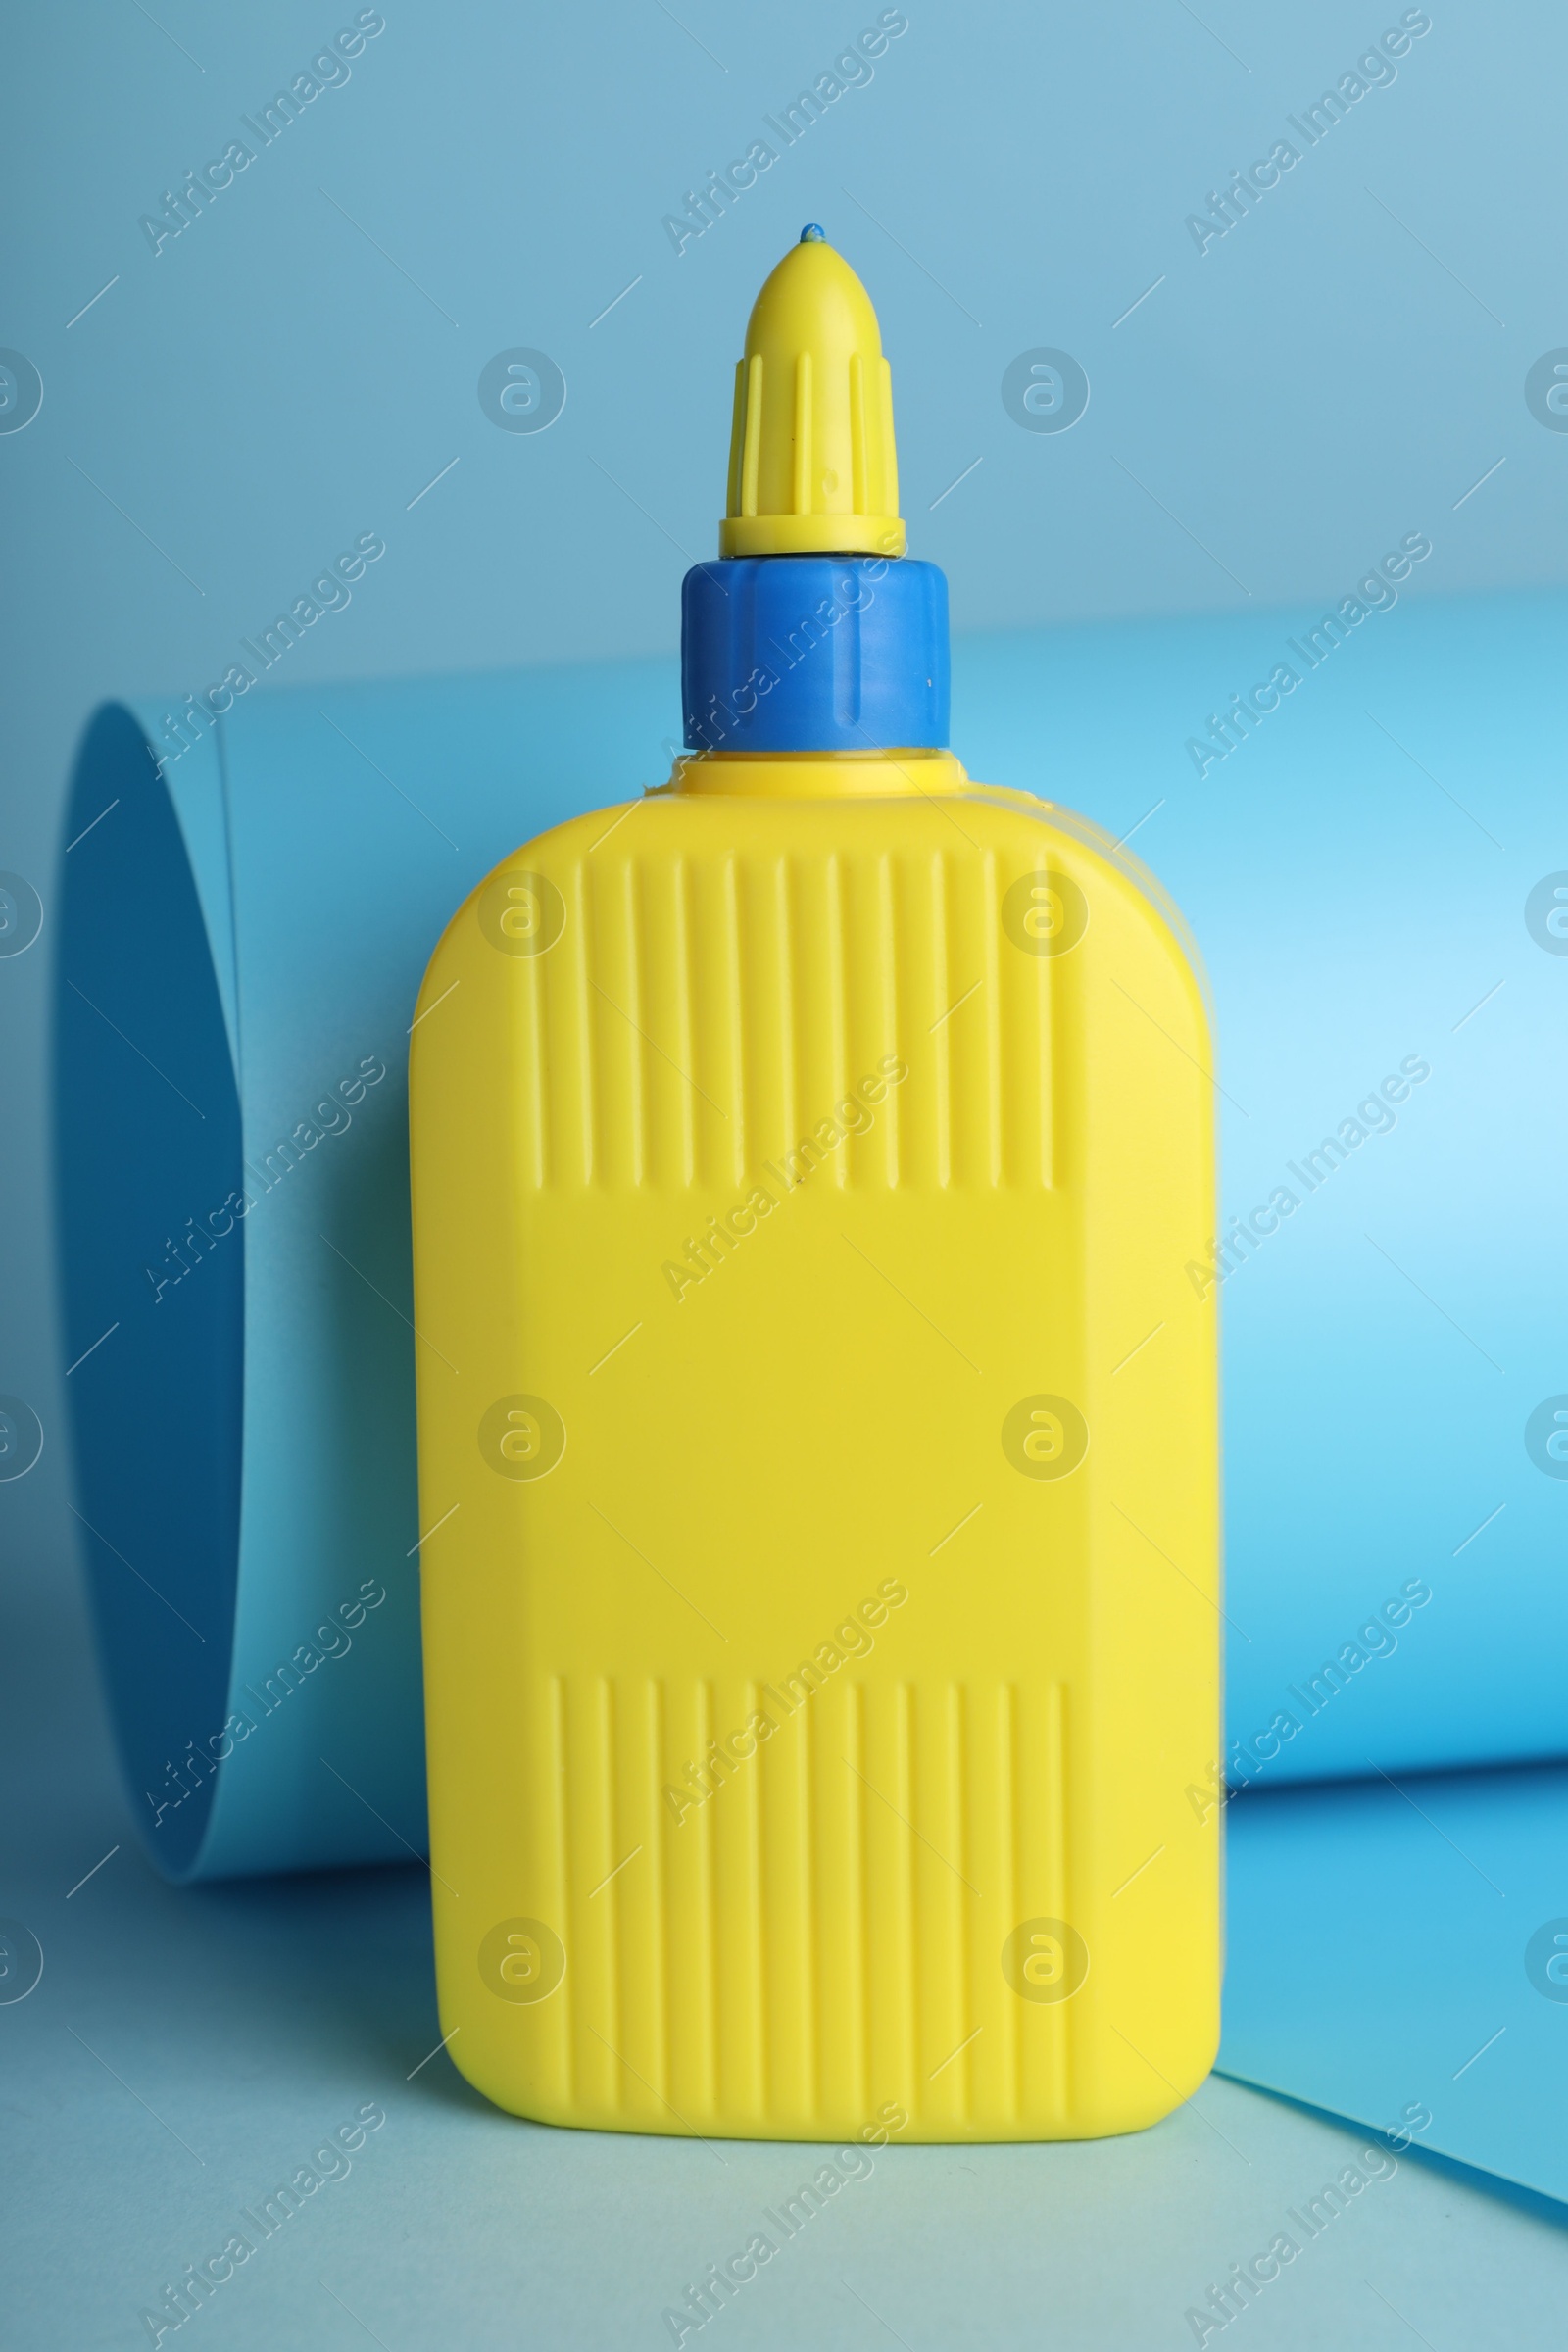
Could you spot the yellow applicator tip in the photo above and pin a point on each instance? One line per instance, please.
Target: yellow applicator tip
(812, 467)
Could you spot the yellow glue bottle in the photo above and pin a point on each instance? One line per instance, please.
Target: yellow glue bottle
(818, 1426)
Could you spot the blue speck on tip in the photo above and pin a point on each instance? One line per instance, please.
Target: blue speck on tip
(811, 234)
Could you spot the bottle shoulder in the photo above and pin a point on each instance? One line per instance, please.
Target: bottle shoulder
(1033, 853)
(976, 820)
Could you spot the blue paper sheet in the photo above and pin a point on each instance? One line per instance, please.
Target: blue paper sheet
(239, 960)
(1398, 1954)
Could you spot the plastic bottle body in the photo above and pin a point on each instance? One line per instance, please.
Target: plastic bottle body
(818, 1430)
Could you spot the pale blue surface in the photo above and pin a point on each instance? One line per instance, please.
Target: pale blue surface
(188, 2049)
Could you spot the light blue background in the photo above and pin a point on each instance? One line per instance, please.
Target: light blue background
(271, 384)
(187, 2049)
(229, 414)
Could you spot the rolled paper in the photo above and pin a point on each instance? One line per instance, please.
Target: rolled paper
(246, 914)
(1375, 864)
(1360, 811)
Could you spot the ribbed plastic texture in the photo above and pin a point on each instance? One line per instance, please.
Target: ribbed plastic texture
(814, 653)
(811, 465)
(774, 1160)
